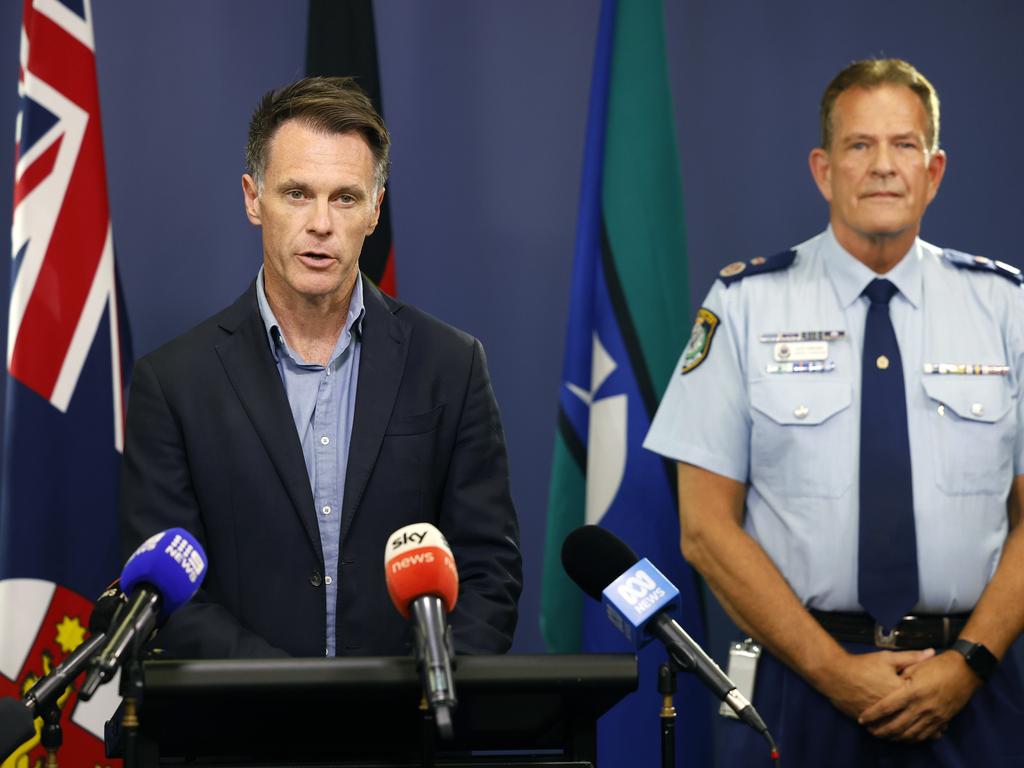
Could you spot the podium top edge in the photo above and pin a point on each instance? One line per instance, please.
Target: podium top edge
(521, 671)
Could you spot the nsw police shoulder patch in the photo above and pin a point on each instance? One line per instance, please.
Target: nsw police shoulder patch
(699, 345)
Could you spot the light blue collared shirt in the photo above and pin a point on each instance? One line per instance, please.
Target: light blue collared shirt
(794, 437)
(323, 403)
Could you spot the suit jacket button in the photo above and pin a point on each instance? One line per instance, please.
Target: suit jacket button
(315, 579)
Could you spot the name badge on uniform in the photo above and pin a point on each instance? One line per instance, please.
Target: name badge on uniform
(809, 366)
(787, 351)
(966, 369)
(768, 338)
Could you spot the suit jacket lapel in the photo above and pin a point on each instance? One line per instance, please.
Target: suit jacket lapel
(250, 367)
(381, 363)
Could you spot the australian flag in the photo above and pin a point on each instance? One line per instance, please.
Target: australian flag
(68, 356)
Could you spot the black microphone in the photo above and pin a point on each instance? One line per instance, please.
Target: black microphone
(161, 575)
(49, 688)
(16, 717)
(594, 557)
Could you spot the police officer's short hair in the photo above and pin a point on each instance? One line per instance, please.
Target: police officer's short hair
(870, 73)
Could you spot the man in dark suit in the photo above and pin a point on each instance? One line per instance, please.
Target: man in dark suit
(293, 432)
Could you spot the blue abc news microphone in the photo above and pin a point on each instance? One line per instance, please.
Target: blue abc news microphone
(639, 601)
(161, 576)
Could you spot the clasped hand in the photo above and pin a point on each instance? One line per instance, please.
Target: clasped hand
(905, 696)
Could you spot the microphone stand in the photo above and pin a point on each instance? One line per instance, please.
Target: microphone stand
(131, 688)
(667, 684)
(427, 734)
(51, 735)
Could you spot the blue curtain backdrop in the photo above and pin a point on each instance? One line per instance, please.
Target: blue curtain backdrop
(487, 104)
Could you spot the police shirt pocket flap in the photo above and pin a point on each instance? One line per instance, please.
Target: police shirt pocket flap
(974, 398)
(415, 424)
(800, 402)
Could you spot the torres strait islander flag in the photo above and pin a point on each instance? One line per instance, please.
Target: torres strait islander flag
(67, 362)
(628, 318)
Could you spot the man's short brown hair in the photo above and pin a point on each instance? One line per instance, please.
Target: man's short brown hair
(870, 73)
(330, 104)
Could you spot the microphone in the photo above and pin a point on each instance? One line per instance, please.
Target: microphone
(49, 688)
(16, 717)
(161, 575)
(638, 599)
(421, 576)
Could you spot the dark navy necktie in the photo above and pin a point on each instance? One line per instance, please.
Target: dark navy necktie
(887, 582)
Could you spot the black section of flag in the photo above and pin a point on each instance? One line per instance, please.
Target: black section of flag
(342, 41)
(573, 443)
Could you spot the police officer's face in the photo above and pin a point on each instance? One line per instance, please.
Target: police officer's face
(318, 203)
(878, 176)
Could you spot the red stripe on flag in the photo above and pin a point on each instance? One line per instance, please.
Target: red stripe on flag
(67, 272)
(61, 61)
(36, 172)
(387, 280)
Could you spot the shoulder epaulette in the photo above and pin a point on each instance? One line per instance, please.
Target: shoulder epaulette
(736, 271)
(984, 264)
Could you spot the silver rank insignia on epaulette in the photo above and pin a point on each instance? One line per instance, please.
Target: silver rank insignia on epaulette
(966, 369)
(801, 366)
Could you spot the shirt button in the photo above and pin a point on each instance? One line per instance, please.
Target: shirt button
(977, 409)
(328, 580)
(801, 411)
(325, 440)
(326, 510)
(314, 578)
(942, 410)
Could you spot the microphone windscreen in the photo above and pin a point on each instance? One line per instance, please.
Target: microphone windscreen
(594, 557)
(418, 562)
(105, 607)
(171, 562)
(16, 726)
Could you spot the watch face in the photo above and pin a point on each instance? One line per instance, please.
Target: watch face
(978, 658)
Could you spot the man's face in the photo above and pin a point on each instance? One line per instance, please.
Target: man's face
(319, 202)
(878, 176)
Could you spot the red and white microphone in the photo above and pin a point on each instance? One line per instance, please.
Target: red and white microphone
(424, 585)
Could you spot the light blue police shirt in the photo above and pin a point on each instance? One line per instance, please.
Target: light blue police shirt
(794, 437)
(323, 403)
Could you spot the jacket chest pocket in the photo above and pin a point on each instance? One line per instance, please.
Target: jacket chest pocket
(802, 436)
(972, 427)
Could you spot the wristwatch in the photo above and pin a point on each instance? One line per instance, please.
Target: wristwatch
(978, 657)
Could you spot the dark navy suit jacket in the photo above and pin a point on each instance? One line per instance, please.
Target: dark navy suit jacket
(211, 447)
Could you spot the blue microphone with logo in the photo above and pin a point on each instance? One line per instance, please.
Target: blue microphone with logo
(639, 601)
(161, 576)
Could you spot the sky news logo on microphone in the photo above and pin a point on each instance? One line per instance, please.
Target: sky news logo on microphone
(635, 597)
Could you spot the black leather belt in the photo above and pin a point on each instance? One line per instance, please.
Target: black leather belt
(912, 633)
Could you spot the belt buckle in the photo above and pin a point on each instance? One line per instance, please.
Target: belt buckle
(887, 640)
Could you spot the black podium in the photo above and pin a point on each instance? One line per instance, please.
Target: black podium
(513, 711)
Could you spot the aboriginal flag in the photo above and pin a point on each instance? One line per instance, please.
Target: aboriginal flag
(343, 42)
(68, 356)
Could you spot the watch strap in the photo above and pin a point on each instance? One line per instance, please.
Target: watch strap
(978, 657)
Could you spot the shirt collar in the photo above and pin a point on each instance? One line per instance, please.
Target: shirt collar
(850, 276)
(353, 322)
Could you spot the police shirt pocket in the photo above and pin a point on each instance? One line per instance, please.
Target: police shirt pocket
(415, 424)
(801, 442)
(972, 425)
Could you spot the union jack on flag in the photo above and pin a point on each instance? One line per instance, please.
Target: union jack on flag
(68, 356)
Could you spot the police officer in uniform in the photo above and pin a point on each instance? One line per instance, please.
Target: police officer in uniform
(849, 425)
